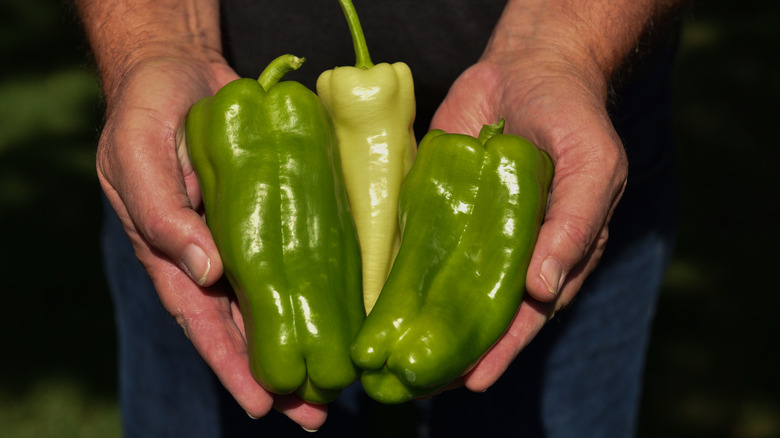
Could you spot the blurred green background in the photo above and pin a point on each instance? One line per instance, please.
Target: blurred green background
(713, 363)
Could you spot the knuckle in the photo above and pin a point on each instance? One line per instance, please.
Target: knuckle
(157, 225)
(184, 324)
(580, 233)
(103, 156)
(615, 159)
(603, 236)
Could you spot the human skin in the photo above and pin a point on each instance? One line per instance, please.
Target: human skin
(546, 70)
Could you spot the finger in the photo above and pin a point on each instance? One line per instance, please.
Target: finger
(206, 316)
(145, 175)
(530, 318)
(576, 277)
(589, 180)
(212, 321)
(309, 416)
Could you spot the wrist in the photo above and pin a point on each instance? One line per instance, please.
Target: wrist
(127, 35)
(589, 38)
(142, 72)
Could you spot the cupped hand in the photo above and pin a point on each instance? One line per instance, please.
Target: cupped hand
(144, 170)
(560, 105)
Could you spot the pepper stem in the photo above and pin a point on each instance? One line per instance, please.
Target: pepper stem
(276, 70)
(362, 57)
(489, 131)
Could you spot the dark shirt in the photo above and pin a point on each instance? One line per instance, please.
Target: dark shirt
(438, 39)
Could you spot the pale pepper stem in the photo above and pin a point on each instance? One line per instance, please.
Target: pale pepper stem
(276, 70)
(362, 57)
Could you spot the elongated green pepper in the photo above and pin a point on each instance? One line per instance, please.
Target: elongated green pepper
(270, 174)
(373, 110)
(470, 212)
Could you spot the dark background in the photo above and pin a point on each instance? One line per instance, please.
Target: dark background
(712, 369)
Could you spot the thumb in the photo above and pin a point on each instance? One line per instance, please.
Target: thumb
(586, 188)
(177, 231)
(142, 176)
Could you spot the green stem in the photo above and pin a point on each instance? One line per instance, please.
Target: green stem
(362, 57)
(277, 69)
(489, 131)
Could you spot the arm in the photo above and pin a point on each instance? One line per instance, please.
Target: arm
(547, 71)
(156, 58)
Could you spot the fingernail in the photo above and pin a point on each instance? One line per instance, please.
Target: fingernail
(309, 430)
(552, 274)
(196, 263)
(252, 417)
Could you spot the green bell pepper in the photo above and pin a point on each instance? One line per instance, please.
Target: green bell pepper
(470, 212)
(270, 174)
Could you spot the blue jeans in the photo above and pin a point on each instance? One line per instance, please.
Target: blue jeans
(581, 377)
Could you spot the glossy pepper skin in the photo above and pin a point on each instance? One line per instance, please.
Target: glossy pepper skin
(470, 212)
(270, 175)
(373, 110)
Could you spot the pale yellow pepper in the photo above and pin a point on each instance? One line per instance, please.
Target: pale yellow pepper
(373, 110)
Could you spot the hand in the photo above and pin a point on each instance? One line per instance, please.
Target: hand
(558, 104)
(144, 170)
